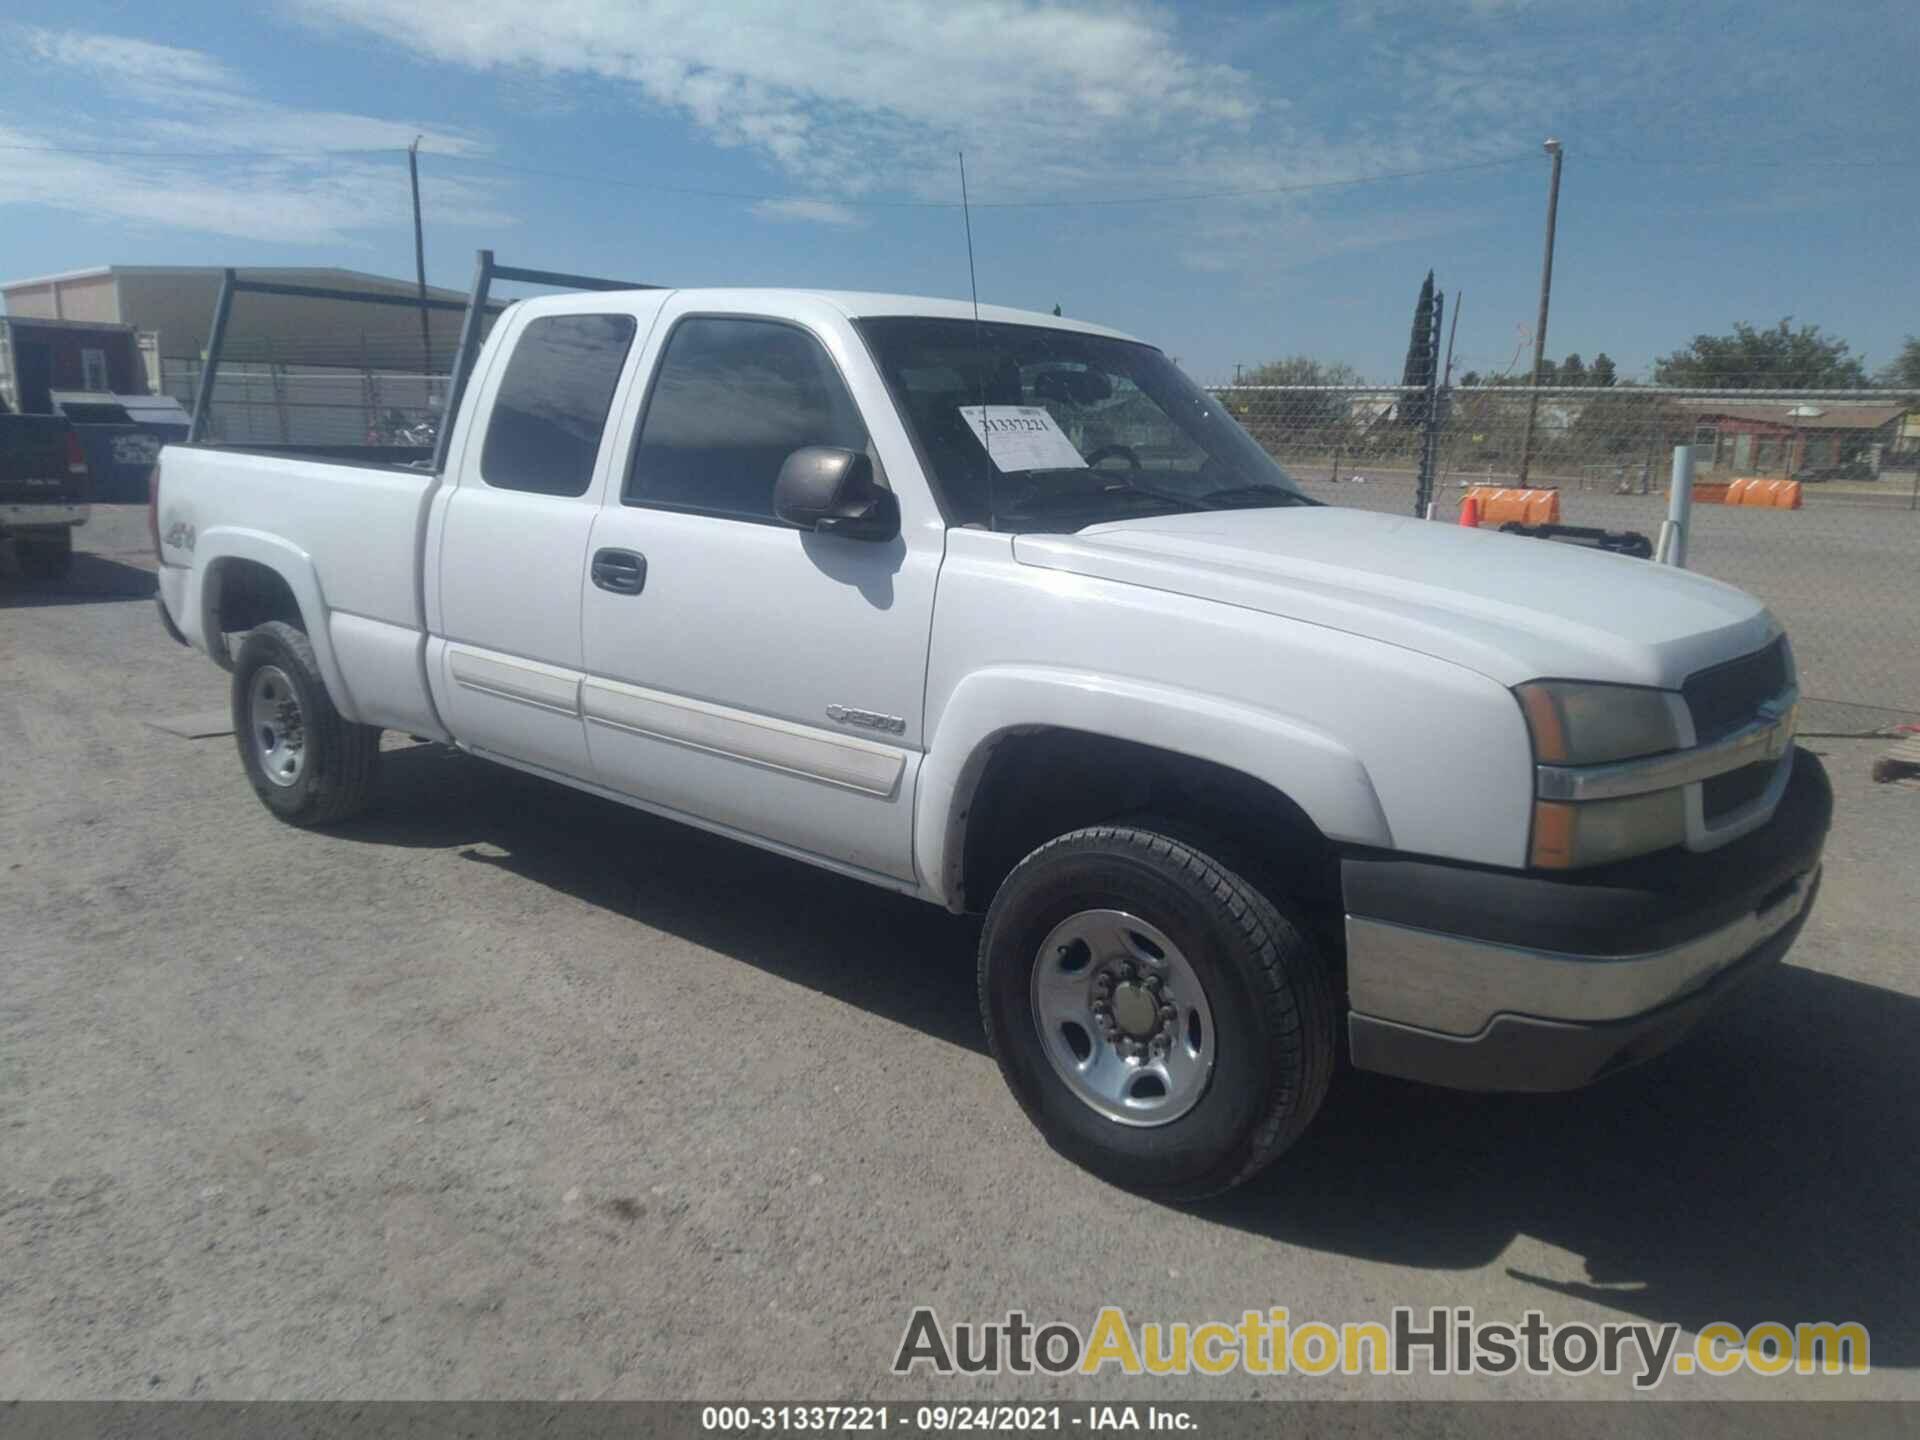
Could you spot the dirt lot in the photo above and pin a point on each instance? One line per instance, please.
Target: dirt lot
(505, 1090)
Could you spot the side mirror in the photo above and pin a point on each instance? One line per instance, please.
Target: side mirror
(833, 492)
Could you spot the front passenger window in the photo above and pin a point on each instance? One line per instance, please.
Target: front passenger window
(732, 400)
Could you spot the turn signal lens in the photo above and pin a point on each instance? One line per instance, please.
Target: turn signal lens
(1569, 836)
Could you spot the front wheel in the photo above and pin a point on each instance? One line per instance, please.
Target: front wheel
(1162, 1022)
(308, 766)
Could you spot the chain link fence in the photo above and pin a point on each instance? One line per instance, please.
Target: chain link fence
(308, 396)
(1842, 572)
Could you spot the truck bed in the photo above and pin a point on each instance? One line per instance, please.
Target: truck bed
(360, 530)
(372, 457)
(362, 524)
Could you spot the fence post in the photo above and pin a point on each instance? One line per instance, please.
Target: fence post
(277, 384)
(1673, 534)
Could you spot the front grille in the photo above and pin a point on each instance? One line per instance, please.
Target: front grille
(1736, 789)
(1728, 696)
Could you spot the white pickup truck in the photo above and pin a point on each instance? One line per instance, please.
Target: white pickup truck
(1000, 610)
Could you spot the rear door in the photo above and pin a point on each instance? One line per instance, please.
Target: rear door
(760, 678)
(506, 661)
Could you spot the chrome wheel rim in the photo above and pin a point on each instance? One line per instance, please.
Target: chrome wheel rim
(276, 726)
(1122, 1017)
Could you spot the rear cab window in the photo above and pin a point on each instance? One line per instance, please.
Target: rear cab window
(551, 408)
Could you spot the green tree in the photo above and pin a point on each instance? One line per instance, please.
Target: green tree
(1624, 422)
(1289, 413)
(1573, 370)
(1302, 370)
(1779, 358)
(1603, 373)
(1472, 377)
(1904, 370)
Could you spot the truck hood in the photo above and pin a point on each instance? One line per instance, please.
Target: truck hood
(1512, 608)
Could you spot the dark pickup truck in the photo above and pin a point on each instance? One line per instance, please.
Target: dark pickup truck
(44, 491)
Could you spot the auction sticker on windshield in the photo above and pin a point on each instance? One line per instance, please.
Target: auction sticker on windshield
(1022, 437)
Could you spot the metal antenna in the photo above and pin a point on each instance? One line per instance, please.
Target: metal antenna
(979, 335)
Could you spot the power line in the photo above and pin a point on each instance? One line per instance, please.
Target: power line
(1054, 203)
(125, 153)
(1045, 203)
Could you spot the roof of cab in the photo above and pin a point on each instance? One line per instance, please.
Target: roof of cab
(857, 304)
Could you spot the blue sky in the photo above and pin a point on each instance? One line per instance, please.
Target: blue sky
(1724, 161)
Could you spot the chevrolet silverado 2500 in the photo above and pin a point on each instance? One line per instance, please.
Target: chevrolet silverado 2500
(1000, 610)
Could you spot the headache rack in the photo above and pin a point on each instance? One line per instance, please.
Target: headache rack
(475, 310)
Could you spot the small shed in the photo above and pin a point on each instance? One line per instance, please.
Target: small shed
(1812, 438)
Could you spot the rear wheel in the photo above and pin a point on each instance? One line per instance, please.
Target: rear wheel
(308, 766)
(1161, 1021)
(45, 554)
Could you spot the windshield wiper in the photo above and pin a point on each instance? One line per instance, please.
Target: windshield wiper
(1278, 494)
(1115, 486)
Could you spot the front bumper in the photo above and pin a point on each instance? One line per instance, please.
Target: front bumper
(1487, 979)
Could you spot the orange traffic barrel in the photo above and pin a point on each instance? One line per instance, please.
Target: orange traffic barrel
(1505, 506)
(1764, 494)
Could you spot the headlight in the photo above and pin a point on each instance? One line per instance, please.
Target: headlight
(1575, 723)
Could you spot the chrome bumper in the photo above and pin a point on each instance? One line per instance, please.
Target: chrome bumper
(24, 516)
(1457, 987)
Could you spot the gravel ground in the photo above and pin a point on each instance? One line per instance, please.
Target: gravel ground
(508, 1091)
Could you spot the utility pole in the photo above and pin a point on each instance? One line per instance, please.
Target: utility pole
(1553, 148)
(420, 259)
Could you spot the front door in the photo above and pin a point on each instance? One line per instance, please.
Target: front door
(758, 677)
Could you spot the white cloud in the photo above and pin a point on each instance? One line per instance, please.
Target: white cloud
(256, 199)
(864, 94)
(817, 212)
(131, 66)
(171, 101)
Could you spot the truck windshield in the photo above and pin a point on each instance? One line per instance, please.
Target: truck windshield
(1032, 428)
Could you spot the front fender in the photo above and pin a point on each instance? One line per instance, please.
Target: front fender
(222, 543)
(1314, 770)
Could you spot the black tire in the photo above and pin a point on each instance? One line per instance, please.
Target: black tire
(1267, 987)
(45, 555)
(341, 760)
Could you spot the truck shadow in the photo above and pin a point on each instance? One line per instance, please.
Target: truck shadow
(1769, 1169)
(895, 956)
(93, 579)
